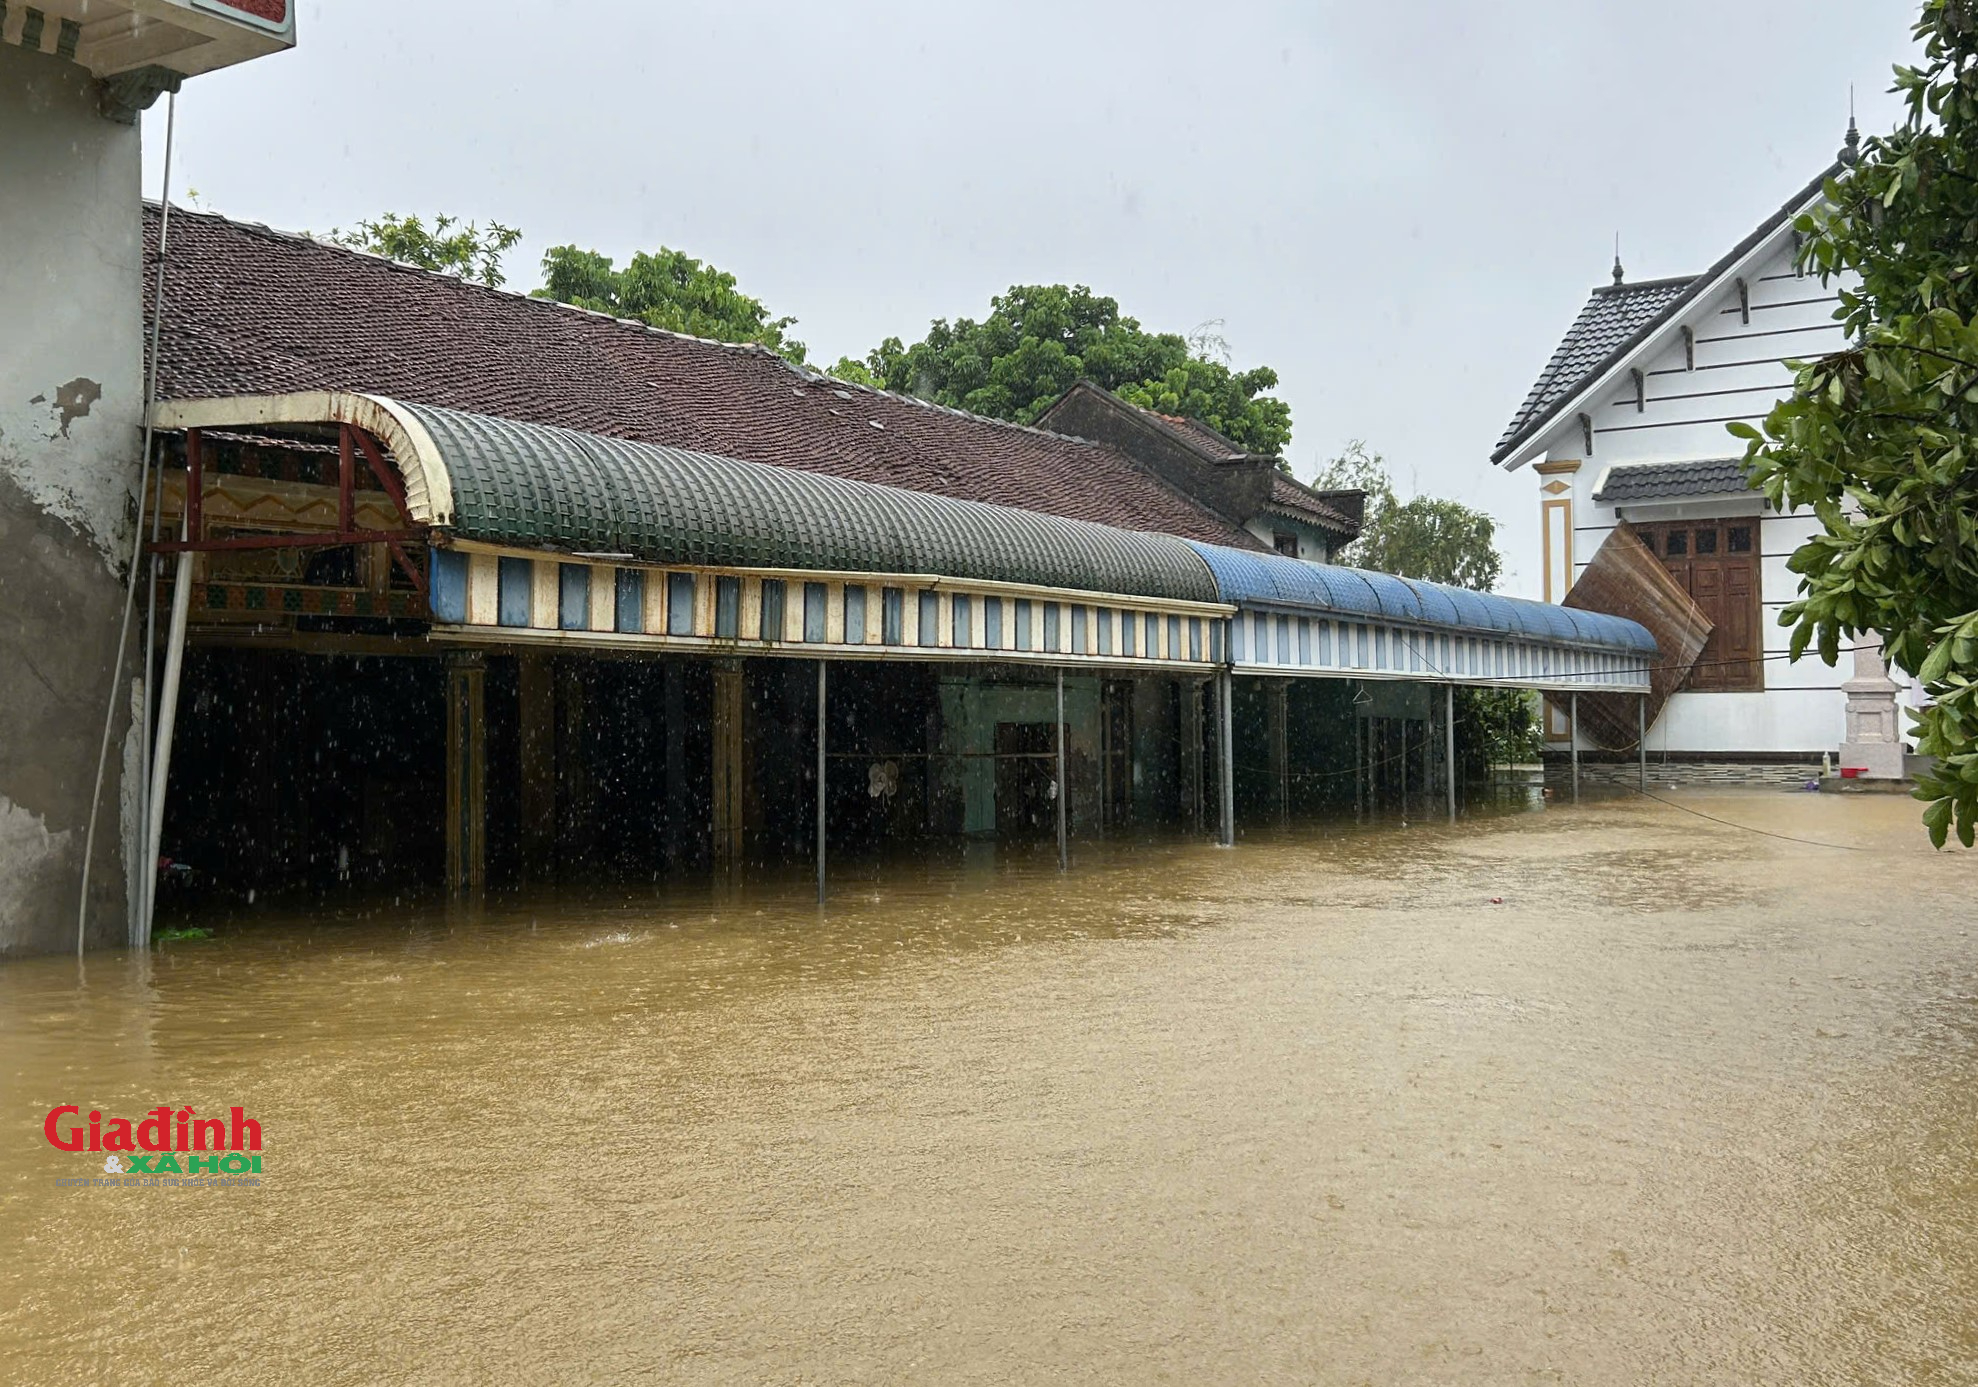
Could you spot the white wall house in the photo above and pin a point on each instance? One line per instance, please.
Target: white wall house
(1627, 422)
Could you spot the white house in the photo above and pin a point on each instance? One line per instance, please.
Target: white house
(1627, 422)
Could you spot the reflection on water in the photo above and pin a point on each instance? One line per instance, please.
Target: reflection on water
(1599, 1094)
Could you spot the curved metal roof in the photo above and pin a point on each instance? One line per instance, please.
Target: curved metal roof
(535, 485)
(1274, 580)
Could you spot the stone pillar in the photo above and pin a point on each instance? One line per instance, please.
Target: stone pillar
(1874, 729)
(466, 774)
(536, 697)
(729, 763)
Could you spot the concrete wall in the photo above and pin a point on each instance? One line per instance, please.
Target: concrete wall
(70, 398)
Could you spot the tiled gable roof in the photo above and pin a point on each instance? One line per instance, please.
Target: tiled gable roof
(1292, 495)
(1614, 314)
(253, 311)
(1619, 318)
(1670, 481)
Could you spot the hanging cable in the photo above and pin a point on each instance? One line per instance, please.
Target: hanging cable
(137, 533)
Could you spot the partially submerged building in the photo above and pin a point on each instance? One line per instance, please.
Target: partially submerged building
(1624, 432)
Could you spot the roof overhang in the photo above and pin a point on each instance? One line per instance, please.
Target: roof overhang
(428, 487)
(186, 37)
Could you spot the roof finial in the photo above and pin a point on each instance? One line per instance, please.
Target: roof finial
(1617, 257)
(1851, 146)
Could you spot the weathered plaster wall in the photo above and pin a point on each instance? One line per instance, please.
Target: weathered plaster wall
(70, 398)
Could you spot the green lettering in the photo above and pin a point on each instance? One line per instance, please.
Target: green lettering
(139, 1163)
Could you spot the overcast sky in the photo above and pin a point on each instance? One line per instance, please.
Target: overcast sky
(1399, 207)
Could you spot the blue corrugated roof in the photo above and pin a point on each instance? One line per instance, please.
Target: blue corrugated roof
(1275, 580)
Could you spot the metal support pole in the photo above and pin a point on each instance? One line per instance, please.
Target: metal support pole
(1641, 741)
(1449, 746)
(821, 667)
(1226, 758)
(1404, 772)
(1573, 737)
(1359, 762)
(1064, 832)
(161, 764)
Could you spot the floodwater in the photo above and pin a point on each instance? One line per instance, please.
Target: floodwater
(1602, 1094)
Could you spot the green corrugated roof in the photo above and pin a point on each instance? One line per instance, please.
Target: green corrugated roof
(534, 485)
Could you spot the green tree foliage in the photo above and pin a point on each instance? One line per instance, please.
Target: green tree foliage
(669, 289)
(1881, 440)
(448, 245)
(1439, 541)
(1427, 537)
(1040, 339)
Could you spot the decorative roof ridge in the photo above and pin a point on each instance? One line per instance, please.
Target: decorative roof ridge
(1666, 282)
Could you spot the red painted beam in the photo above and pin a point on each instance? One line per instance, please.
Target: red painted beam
(386, 477)
(346, 479)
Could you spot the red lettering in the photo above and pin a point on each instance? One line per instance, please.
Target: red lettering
(70, 1140)
(247, 1127)
(116, 1135)
(184, 1144)
(95, 1131)
(155, 1132)
(209, 1129)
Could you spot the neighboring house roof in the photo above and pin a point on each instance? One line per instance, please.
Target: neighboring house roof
(1671, 481)
(1619, 318)
(252, 311)
(1198, 460)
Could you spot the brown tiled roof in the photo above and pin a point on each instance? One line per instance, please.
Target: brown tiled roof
(252, 311)
(1207, 440)
(1290, 494)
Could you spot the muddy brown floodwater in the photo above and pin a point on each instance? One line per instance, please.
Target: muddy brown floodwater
(1691, 1105)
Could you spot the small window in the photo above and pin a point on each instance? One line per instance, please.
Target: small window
(814, 599)
(930, 618)
(959, 619)
(1285, 544)
(892, 615)
(1052, 622)
(1080, 630)
(1104, 618)
(514, 578)
(1126, 626)
(992, 622)
(1678, 543)
(772, 609)
(1738, 539)
(1023, 623)
(1284, 640)
(1706, 541)
(1215, 642)
(631, 600)
(679, 604)
(854, 614)
(573, 606)
(1195, 638)
(1325, 642)
(1174, 638)
(727, 608)
(1304, 640)
(1153, 633)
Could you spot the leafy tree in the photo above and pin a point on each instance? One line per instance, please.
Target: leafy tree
(669, 289)
(447, 245)
(1427, 537)
(1439, 541)
(1879, 439)
(856, 372)
(1040, 339)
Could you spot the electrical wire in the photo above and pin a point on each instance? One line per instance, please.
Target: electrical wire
(137, 534)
